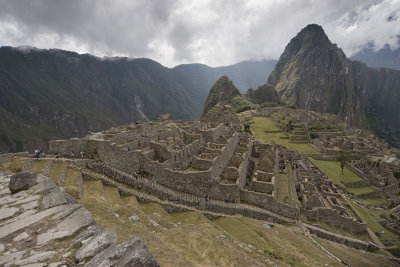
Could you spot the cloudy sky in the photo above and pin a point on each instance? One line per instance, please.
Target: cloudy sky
(213, 32)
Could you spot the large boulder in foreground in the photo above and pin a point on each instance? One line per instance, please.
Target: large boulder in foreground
(22, 181)
(132, 252)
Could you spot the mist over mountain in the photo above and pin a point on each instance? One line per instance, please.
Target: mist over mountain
(384, 57)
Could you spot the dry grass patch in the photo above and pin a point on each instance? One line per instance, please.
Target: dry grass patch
(354, 257)
(39, 165)
(56, 171)
(287, 244)
(14, 165)
(71, 182)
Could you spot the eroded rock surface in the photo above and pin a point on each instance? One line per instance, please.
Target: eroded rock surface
(38, 220)
(22, 181)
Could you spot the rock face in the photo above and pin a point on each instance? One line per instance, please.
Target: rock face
(129, 253)
(22, 181)
(313, 73)
(35, 220)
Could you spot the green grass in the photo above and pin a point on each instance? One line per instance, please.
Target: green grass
(334, 172)
(283, 192)
(372, 221)
(264, 124)
(261, 125)
(360, 190)
(291, 186)
(377, 200)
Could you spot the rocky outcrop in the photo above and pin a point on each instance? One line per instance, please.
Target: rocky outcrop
(37, 219)
(132, 252)
(22, 181)
(222, 91)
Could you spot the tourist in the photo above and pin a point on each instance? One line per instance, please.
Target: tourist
(82, 154)
(207, 198)
(226, 199)
(72, 155)
(135, 175)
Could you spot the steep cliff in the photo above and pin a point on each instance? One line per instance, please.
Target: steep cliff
(315, 74)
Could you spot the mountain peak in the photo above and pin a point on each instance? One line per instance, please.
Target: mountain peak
(315, 74)
(222, 90)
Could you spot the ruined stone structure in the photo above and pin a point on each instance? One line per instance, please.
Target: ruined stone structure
(200, 158)
(204, 164)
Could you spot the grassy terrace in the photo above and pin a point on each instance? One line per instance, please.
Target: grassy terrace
(334, 172)
(372, 220)
(261, 125)
(14, 165)
(340, 231)
(353, 257)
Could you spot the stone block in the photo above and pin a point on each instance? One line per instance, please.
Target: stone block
(22, 181)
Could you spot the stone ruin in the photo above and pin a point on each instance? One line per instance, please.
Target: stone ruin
(200, 158)
(214, 159)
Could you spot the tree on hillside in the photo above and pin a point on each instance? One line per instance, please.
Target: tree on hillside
(342, 157)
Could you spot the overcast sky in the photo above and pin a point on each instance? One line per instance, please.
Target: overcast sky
(212, 32)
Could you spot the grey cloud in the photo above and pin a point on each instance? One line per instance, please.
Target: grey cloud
(213, 32)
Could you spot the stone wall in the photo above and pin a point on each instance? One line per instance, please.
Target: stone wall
(244, 165)
(146, 132)
(202, 164)
(68, 146)
(355, 170)
(220, 191)
(333, 217)
(360, 183)
(264, 187)
(269, 203)
(347, 241)
(226, 154)
(213, 134)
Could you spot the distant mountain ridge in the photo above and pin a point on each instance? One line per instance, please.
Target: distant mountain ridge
(50, 94)
(384, 57)
(313, 73)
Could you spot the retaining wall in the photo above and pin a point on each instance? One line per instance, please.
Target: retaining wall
(347, 241)
(269, 203)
